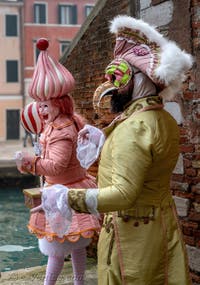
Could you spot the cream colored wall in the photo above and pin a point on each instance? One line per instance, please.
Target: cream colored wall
(10, 93)
(10, 50)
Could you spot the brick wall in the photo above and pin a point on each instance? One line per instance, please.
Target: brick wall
(186, 184)
(87, 61)
(180, 21)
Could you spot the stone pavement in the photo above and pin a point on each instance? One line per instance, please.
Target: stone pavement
(35, 275)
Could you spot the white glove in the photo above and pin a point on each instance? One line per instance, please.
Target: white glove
(90, 143)
(57, 211)
(24, 161)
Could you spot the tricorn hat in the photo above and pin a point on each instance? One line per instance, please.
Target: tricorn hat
(142, 47)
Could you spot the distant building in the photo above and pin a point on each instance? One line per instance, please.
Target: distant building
(11, 73)
(22, 23)
(58, 21)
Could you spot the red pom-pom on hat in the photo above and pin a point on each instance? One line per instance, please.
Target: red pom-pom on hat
(42, 44)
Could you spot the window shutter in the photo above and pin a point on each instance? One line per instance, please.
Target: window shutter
(86, 11)
(42, 14)
(74, 15)
(12, 71)
(34, 11)
(59, 14)
(11, 25)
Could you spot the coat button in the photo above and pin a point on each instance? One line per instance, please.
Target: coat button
(126, 218)
(146, 220)
(136, 224)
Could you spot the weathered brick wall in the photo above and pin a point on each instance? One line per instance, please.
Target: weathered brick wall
(87, 61)
(180, 21)
(191, 151)
(94, 51)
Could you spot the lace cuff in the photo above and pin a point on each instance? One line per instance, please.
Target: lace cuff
(57, 210)
(84, 200)
(37, 148)
(76, 198)
(91, 201)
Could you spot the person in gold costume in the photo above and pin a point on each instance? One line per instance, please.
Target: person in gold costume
(140, 242)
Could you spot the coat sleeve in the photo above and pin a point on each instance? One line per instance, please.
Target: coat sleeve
(131, 157)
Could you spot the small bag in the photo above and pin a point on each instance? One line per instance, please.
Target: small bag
(32, 197)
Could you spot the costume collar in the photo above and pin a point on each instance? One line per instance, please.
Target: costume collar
(61, 122)
(140, 105)
(143, 104)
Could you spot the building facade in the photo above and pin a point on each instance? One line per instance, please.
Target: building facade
(11, 79)
(58, 21)
(22, 23)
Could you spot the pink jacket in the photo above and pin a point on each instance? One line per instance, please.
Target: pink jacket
(58, 162)
(59, 165)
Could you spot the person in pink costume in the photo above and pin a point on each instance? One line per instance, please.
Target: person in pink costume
(58, 164)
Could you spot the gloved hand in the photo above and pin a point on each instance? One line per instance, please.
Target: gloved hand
(92, 134)
(24, 161)
(90, 143)
(55, 205)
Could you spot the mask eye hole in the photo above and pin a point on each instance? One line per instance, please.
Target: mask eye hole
(113, 78)
(115, 92)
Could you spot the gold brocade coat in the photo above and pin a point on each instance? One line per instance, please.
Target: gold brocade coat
(140, 242)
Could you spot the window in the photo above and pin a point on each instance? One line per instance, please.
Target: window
(39, 13)
(63, 46)
(67, 14)
(12, 124)
(88, 9)
(36, 52)
(12, 71)
(11, 25)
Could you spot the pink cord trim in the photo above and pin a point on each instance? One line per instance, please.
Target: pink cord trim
(165, 249)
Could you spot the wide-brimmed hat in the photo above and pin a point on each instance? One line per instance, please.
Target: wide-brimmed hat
(140, 46)
(50, 78)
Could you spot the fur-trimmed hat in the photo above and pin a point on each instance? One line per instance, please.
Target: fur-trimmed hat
(50, 79)
(141, 46)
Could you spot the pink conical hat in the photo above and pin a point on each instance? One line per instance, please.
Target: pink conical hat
(50, 78)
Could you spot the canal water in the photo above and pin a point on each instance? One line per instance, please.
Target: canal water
(18, 248)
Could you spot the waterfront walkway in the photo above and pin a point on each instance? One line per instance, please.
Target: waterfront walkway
(35, 275)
